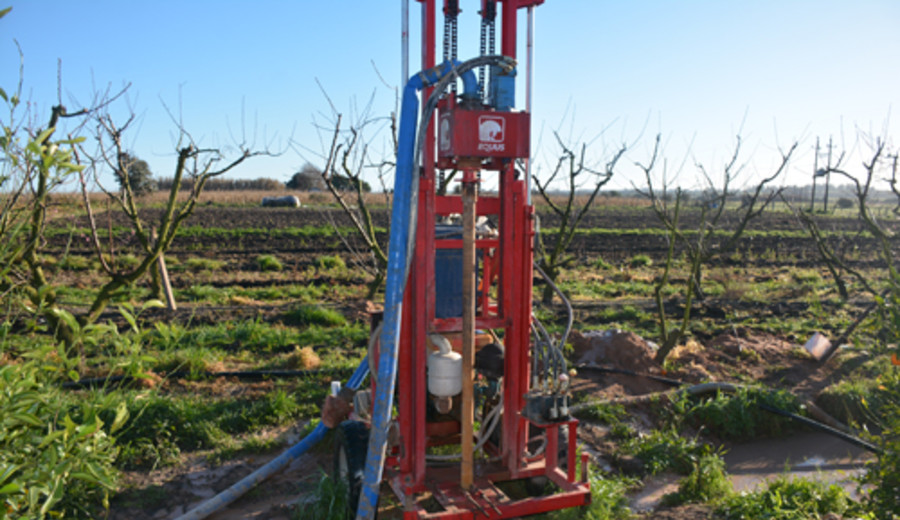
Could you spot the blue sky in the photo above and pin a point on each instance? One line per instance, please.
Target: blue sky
(697, 72)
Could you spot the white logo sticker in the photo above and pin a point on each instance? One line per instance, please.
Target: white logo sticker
(445, 134)
(491, 133)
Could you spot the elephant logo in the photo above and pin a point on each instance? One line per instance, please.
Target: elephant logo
(491, 129)
(445, 134)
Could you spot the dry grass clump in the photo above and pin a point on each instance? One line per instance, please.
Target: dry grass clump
(303, 358)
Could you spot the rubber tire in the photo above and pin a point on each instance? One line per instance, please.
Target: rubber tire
(351, 442)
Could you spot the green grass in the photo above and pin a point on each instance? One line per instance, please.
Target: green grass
(305, 315)
(330, 262)
(737, 416)
(604, 413)
(707, 482)
(76, 263)
(163, 425)
(330, 502)
(788, 499)
(269, 263)
(202, 264)
(608, 501)
(640, 261)
(662, 450)
(204, 293)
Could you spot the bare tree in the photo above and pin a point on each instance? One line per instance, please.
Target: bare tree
(349, 155)
(578, 176)
(892, 182)
(43, 163)
(198, 165)
(879, 160)
(700, 245)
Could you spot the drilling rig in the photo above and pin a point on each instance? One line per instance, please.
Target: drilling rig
(469, 392)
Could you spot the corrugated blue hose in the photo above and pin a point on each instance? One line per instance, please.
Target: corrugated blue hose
(400, 248)
(247, 483)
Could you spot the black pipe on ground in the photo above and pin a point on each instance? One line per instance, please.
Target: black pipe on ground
(728, 387)
(99, 382)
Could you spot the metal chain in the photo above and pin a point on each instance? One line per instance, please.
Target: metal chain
(483, 50)
(488, 34)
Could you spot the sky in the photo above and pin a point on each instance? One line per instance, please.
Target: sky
(607, 73)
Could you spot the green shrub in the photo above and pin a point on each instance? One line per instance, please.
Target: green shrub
(884, 474)
(600, 263)
(663, 450)
(75, 263)
(269, 263)
(640, 261)
(787, 499)
(707, 482)
(56, 457)
(330, 262)
(608, 502)
(330, 502)
(738, 416)
(305, 315)
(203, 264)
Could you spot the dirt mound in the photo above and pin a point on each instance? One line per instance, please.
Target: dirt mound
(612, 347)
(615, 349)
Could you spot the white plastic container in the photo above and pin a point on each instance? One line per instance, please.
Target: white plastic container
(444, 369)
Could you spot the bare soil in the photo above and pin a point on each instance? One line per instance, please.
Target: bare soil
(741, 355)
(169, 492)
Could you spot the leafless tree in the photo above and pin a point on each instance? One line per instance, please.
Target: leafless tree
(879, 159)
(193, 163)
(351, 152)
(700, 245)
(578, 176)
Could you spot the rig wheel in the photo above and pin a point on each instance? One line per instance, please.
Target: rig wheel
(351, 442)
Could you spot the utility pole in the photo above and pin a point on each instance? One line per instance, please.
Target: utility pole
(828, 175)
(812, 199)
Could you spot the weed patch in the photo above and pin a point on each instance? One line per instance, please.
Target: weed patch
(788, 499)
(313, 315)
(269, 263)
(707, 482)
(662, 450)
(737, 416)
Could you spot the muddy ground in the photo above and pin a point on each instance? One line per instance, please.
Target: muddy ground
(169, 492)
(738, 356)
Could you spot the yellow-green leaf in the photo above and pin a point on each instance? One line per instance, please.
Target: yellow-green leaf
(121, 417)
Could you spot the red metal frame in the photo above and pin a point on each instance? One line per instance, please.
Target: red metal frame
(507, 268)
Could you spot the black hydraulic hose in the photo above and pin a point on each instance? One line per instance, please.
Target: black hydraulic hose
(570, 320)
(558, 361)
(537, 356)
(95, 382)
(728, 387)
(856, 441)
(599, 368)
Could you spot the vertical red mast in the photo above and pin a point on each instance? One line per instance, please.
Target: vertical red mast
(482, 139)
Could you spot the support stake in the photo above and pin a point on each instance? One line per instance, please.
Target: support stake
(469, 198)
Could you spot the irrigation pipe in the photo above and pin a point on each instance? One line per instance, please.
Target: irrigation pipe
(612, 370)
(247, 483)
(95, 382)
(706, 388)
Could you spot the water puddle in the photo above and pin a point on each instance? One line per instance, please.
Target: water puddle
(811, 455)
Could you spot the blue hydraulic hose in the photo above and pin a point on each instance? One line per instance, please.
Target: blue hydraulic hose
(247, 483)
(400, 247)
